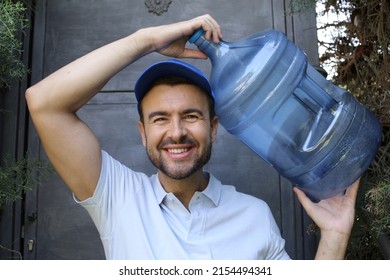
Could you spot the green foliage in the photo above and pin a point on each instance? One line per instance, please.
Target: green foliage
(363, 244)
(378, 206)
(12, 23)
(18, 177)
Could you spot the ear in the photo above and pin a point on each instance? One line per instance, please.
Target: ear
(214, 128)
(141, 128)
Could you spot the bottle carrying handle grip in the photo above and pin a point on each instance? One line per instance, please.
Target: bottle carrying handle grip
(320, 103)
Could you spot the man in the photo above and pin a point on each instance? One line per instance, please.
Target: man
(181, 212)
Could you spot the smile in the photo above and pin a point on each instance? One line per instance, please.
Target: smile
(178, 151)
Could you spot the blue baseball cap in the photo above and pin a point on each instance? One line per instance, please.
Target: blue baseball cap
(168, 68)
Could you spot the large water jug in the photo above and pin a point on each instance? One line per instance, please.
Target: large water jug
(314, 133)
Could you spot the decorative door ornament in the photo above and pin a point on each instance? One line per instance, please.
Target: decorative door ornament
(157, 7)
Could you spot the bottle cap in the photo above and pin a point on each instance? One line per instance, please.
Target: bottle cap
(196, 35)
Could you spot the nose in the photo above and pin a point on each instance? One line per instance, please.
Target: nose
(177, 130)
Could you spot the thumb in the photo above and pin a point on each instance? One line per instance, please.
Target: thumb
(303, 199)
(191, 53)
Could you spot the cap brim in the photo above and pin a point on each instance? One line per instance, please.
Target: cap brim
(167, 68)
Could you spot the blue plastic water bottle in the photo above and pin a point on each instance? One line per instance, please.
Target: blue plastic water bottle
(312, 132)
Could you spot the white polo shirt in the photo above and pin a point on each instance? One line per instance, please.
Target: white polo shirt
(137, 219)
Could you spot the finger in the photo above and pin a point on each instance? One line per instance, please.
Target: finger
(303, 199)
(216, 30)
(212, 28)
(216, 37)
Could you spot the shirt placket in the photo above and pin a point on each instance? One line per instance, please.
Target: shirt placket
(197, 219)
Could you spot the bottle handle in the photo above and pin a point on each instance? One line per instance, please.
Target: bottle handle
(321, 103)
(318, 132)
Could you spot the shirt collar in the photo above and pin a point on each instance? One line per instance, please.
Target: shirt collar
(212, 191)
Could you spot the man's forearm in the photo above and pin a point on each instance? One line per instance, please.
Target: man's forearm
(69, 88)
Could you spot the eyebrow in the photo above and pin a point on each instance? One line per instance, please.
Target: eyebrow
(157, 113)
(193, 110)
(185, 112)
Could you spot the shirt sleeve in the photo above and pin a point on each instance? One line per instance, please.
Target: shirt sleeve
(116, 186)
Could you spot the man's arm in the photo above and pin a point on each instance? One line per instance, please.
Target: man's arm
(335, 218)
(70, 145)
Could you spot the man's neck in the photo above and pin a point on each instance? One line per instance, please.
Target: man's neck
(184, 189)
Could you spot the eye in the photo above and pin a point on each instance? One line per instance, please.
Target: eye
(159, 120)
(191, 117)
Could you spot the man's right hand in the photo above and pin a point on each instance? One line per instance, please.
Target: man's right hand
(170, 40)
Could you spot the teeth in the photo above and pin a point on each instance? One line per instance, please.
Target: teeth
(177, 151)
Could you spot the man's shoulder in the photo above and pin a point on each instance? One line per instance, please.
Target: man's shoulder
(115, 172)
(233, 194)
(115, 165)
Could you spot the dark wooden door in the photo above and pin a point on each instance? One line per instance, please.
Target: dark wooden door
(67, 29)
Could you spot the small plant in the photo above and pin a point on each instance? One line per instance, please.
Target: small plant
(378, 206)
(18, 177)
(12, 23)
(363, 244)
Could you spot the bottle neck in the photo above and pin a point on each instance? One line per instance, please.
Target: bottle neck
(211, 49)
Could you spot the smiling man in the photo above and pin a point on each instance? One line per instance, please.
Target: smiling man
(177, 125)
(181, 212)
